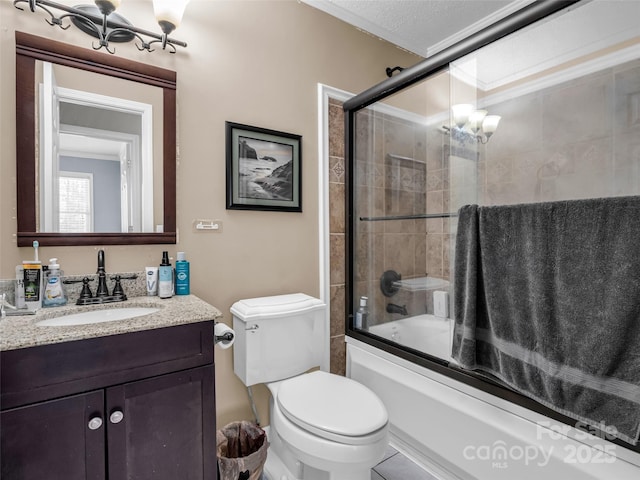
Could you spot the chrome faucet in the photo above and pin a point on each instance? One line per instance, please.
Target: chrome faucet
(102, 290)
(393, 308)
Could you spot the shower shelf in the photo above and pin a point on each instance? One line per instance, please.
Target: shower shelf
(393, 156)
(409, 217)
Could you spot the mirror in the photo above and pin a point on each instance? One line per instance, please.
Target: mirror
(65, 100)
(96, 152)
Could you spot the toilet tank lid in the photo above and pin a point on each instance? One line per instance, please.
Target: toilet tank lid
(275, 306)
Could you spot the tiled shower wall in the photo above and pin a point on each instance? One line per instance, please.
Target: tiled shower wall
(337, 236)
(390, 180)
(396, 175)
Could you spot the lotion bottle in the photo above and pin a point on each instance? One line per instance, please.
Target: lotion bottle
(152, 280)
(165, 277)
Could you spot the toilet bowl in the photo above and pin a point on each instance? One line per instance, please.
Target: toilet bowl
(323, 426)
(328, 427)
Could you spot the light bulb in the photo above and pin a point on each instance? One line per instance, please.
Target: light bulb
(461, 113)
(490, 124)
(475, 120)
(169, 13)
(107, 6)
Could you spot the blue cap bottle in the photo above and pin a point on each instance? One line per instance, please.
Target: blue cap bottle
(182, 275)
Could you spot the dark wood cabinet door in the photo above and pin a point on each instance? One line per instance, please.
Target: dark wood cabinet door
(53, 439)
(164, 427)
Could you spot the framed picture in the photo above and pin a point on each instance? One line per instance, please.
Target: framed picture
(263, 169)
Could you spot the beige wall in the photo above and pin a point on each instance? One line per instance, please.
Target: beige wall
(256, 63)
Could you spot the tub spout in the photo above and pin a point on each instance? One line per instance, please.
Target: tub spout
(393, 308)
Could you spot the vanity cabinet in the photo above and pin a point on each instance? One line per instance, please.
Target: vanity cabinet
(51, 440)
(133, 406)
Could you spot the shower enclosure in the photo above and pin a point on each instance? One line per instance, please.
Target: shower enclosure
(512, 116)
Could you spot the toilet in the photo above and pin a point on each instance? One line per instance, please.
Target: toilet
(323, 426)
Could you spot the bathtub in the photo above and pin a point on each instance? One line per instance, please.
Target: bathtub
(425, 333)
(456, 431)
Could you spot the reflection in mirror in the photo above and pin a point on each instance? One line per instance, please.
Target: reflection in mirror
(96, 152)
(95, 142)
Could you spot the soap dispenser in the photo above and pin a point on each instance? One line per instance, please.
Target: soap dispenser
(54, 294)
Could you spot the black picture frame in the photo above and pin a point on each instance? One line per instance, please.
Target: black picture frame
(263, 168)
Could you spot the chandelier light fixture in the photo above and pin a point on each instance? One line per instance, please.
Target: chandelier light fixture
(101, 21)
(471, 124)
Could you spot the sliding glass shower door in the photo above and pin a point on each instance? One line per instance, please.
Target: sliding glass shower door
(402, 218)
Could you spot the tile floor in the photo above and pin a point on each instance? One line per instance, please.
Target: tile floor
(395, 466)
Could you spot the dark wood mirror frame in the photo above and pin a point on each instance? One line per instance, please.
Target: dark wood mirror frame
(30, 48)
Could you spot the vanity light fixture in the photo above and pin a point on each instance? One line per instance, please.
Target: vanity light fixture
(471, 124)
(102, 22)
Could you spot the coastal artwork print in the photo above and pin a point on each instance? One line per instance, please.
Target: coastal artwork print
(263, 169)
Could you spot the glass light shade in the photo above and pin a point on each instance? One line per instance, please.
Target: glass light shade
(490, 124)
(475, 120)
(169, 12)
(107, 6)
(461, 113)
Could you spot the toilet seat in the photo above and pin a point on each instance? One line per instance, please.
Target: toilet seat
(333, 407)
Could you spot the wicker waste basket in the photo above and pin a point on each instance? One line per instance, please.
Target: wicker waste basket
(242, 451)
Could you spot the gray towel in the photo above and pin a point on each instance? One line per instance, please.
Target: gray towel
(547, 299)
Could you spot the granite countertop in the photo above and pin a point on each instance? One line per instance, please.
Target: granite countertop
(22, 331)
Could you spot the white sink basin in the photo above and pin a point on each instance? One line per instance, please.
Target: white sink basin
(97, 316)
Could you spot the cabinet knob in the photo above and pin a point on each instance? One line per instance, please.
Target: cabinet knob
(116, 416)
(95, 423)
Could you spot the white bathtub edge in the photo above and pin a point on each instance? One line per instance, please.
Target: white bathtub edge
(494, 422)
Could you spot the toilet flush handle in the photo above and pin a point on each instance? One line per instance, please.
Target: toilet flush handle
(253, 327)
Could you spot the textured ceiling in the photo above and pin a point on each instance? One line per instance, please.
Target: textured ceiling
(419, 26)
(425, 27)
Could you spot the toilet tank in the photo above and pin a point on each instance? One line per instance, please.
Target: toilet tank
(277, 337)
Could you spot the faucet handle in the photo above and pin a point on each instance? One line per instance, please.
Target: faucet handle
(123, 277)
(86, 291)
(117, 288)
